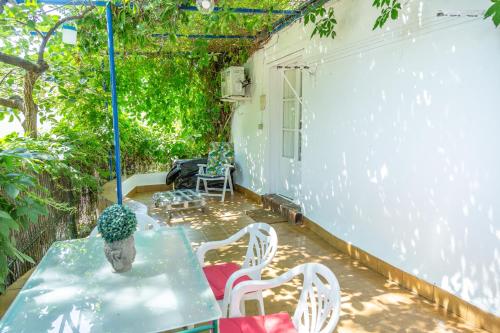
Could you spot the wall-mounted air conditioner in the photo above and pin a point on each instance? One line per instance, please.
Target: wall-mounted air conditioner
(233, 84)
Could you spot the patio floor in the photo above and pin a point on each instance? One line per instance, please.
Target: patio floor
(369, 302)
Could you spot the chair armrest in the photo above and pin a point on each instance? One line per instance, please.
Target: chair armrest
(257, 285)
(205, 247)
(227, 169)
(201, 165)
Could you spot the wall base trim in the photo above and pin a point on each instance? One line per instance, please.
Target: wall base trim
(151, 188)
(442, 299)
(248, 193)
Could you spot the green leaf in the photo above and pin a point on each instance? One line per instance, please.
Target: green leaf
(394, 14)
(12, 191)
(31, 24)
(5, 216)
(494, 12)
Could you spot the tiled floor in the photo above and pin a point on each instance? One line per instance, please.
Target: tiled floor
(369, 302)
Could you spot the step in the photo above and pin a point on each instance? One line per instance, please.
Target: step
(286, 208)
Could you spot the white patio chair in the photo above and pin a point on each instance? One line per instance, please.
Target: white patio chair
(317, 311)
(261, 249)
(206, 178)
(218, 168)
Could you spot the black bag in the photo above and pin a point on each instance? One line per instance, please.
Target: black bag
(183, 174)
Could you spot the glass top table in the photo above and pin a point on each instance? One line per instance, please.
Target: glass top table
(73, 289)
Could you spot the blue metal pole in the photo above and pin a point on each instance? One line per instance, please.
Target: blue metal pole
(114, 104)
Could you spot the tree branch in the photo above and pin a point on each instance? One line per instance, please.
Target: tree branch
(19, 62)
(45, 40)
(34, 29)
(7, 75)
(14, 102)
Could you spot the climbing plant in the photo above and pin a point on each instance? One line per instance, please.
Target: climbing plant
(388, 8)
(324, 21)
(26, 33)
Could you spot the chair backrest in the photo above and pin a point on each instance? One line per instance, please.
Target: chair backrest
(220, 154)
(262, 245)
(318, 309)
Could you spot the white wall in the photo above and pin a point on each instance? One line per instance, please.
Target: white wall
(400, 153)
(251, 142)
(130, 183)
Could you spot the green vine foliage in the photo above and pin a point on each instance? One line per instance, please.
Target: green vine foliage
(20, 206)
(388, 8)
(324, 21)
(169, 102)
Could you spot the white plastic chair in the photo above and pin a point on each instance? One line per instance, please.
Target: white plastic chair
(219, 164)
(206, 178)
(318, 309)
(261, 249)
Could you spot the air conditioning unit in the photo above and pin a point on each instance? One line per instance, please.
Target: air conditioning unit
(233, 80)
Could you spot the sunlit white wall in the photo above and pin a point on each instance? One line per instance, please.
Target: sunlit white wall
(251, 141)
(400, 151)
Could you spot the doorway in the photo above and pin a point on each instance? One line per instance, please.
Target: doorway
(290, 134)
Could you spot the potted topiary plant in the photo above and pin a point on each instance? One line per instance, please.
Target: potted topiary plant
(117, 225)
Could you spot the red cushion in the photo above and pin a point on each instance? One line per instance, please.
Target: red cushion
(274, 323)
(217, 276)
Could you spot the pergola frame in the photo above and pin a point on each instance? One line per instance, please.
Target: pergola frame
(290, 16)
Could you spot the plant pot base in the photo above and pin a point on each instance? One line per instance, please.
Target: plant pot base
(121, 254)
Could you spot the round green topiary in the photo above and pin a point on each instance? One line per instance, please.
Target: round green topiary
(117, 223)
